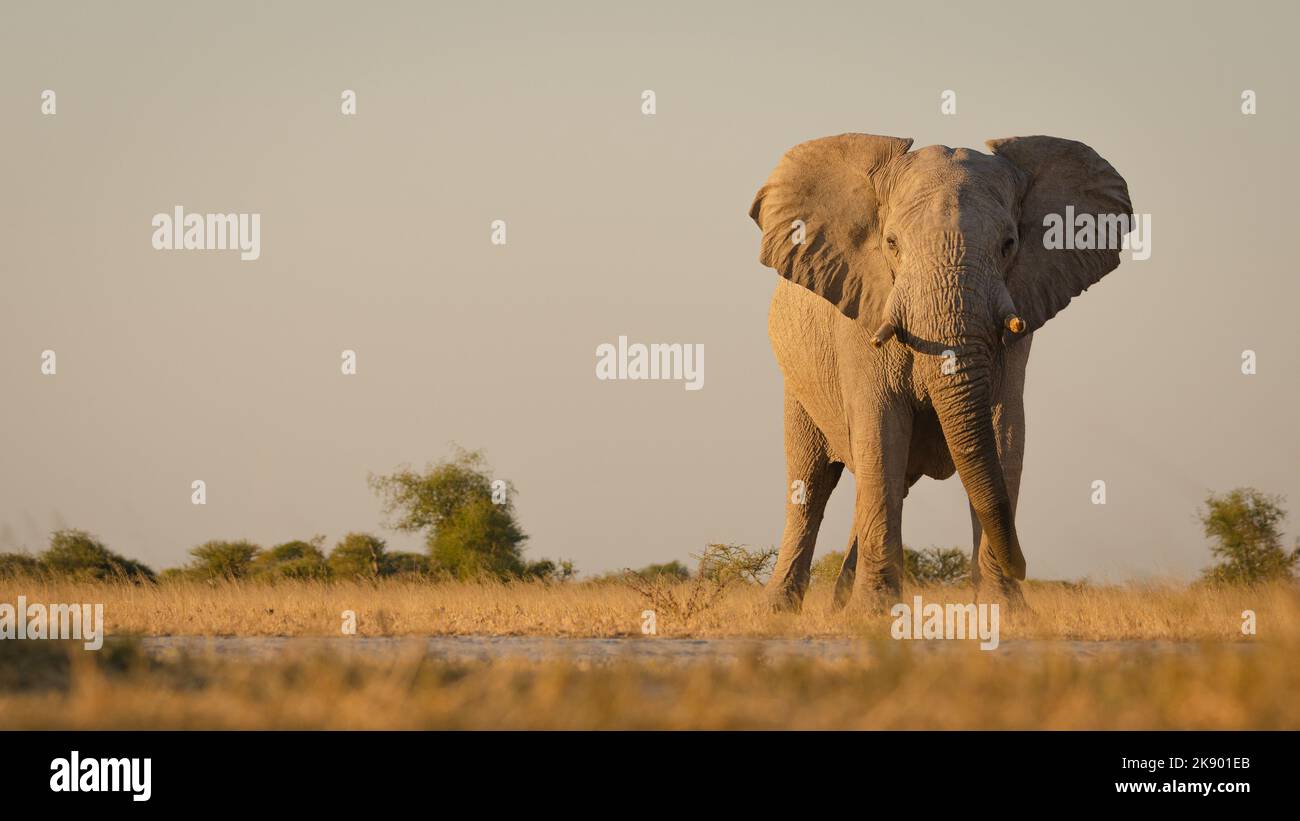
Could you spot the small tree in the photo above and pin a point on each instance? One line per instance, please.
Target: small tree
(1247, 540)
(359, 556)
(479, 539)
(469, 532)
(79, 555)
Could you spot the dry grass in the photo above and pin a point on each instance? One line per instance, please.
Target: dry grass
(895, 685)
(396, 608)
(1216, 687)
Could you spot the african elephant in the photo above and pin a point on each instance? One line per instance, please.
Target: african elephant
(913, 283)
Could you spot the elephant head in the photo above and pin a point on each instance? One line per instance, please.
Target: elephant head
(942, 251)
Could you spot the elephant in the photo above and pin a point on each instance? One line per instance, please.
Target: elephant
(911, 286)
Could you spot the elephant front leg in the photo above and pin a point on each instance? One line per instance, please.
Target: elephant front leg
(810, 478)
(990, 582)
(987, 576)
(880, 468)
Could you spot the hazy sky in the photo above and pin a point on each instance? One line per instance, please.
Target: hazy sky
(375, 237)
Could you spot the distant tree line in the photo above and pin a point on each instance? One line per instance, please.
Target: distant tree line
(471, 532)
(469, 522)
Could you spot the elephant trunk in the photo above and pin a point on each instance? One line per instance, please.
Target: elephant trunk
(962, 403)
(953, 310)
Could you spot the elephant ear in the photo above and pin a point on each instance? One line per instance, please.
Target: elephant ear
(820, 217)
(1060, 173)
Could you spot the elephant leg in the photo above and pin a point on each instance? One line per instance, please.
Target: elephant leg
(849, 567)
(811, 475)
(880, 469)
(848, 572)
(1009, 429)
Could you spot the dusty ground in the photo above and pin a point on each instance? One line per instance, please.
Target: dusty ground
(495, 656)
(897, 687)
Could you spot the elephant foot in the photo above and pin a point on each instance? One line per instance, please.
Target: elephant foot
(843, 591)
(784, 599)
(1005, 592)
(873, 600)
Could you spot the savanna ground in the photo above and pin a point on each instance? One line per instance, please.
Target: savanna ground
(1219, 678)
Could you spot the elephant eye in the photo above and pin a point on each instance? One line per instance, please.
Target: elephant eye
(892, 242)
(1008, 245)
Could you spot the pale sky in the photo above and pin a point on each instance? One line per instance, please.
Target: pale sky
(375, 237)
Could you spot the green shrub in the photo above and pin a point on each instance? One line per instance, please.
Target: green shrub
(13, 565)
(78, 555)
(826, 570)
(401, 563)
(726, 563)
(358, 556)
(549, 571)
(292, 560)
(666, 570)
(223, 560)
(933, 565)
(936, 565)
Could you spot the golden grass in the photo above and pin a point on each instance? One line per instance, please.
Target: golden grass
(1215, 683)
(398, 608)
(1215, 687)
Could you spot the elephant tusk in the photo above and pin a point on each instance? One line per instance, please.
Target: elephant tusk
(883, 334)
(1014, 324)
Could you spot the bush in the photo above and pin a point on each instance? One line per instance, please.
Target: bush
(15, 565)
(359, 556)
(549, 571)
(726, 563)
(222, 560)
(292, 560)
(77, 554)
(932, 565)
(1244, 526)
(826, 570)
(673, 570)
(400, 563)
(936, 565)
(671, 591)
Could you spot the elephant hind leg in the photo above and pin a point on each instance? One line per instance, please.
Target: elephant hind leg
(811, 475)
(848, 571)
